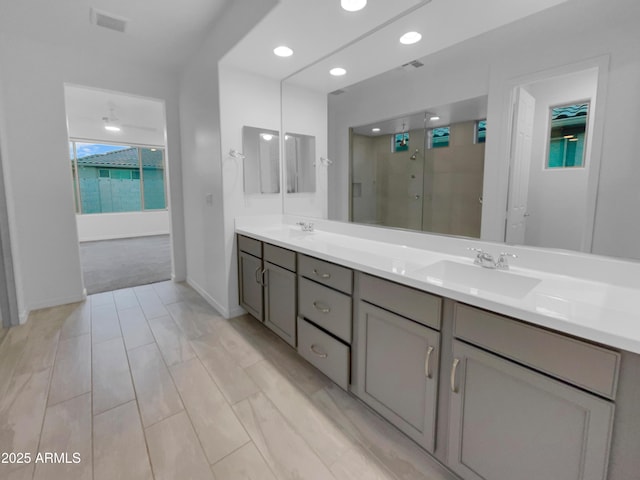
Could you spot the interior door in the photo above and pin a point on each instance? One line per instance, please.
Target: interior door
(521, 146)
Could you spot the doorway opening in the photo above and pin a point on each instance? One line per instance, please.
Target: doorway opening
(117, 151)
(555, 145)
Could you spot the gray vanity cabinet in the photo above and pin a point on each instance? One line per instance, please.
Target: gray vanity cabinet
(398, 371)
(267, 285)
(280, 302)
(250, 283)
(508, 422)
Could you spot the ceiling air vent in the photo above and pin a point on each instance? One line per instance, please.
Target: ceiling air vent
(337, 92)
(414, 64)
(108, 20)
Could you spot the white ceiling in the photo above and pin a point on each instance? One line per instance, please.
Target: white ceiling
(142, 120)
(160, 32)
(463, 111)
(322, 36)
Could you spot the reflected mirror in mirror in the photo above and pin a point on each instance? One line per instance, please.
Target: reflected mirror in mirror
(300, 156)
(261, 150)
(436, 185)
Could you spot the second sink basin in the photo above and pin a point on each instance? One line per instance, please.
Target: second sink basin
(477, 280)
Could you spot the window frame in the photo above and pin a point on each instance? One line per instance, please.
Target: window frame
(583, 160)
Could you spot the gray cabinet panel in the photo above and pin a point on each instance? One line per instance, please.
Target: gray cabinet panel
(280, 301)
(411, 303)
(335, 276)
(280, 256)
(398, 371)
(250, 245)
(325, 307)
(327, 354)
(583, 364)
(250, 269)
(510, 423)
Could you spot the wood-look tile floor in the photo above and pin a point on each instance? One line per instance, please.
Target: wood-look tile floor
(151, 383)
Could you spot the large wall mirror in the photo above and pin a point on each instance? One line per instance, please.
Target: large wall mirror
(502, 188)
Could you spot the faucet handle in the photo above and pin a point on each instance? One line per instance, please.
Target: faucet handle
(503, 263)
(475, 249)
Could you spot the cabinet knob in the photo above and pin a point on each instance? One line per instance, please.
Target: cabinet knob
(454, 369)
(321, 275)
(315, 351)
(321, 308)
(427, 360)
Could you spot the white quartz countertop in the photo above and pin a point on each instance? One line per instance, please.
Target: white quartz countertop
(600, 311)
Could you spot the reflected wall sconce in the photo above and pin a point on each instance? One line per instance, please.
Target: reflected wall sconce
(233, 153)
(325, 162)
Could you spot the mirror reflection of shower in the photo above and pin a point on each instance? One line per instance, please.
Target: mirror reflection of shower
(417, 173)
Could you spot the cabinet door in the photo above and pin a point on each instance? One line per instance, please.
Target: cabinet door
(280, 302)
(508, 422)
(250, 270)
(398, 371)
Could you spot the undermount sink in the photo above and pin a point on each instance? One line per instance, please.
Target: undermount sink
(477, 280)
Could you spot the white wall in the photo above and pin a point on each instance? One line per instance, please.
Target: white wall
(491, 63)
(252, 100)
(304, 112)
(207, 229)
(558, 197)
(106, 226)
(35, 155)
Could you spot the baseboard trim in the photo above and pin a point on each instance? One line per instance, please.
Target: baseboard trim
(23, 316)
(122, 236)
(210, 300)
(237, 311)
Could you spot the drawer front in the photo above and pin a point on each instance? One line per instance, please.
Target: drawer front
(327, 308)
(327, 354)
(280, 256)
(419, 306)
(588, 366)
(250, 245)
(335, 276)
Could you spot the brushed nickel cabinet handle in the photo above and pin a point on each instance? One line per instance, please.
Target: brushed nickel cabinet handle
(321, 275)
(315, 351)
(320, 308)
(257, 275)
(427, 360)
(262, 278)
(454, 368)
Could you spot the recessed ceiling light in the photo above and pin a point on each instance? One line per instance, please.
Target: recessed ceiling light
(410, 38)
(337, 72)
(353, 5)
(434, 118)
(283, 51)
(375, 130)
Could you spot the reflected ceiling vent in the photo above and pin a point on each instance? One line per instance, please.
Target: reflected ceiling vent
(108, 20)
(413, 64)
(337, 92)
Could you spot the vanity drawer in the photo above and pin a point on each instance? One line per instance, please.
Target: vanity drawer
(327, 354)
(327, 308)
(250, 245)
(280, 256)
(335, 276)
(583, 364)
(408, 302)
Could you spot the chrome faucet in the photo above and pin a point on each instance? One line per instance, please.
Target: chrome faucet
(486, 260)
(305, 226)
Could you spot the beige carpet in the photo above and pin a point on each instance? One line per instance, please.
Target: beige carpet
(114, 264)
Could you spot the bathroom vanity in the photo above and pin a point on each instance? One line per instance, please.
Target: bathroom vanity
(500, 374)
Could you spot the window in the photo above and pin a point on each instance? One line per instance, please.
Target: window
(117, 178)
(401, 142)
(481, 131)
(568, 127)
(439, 137)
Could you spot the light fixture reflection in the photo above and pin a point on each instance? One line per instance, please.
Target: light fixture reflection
(410, 38)
(283, 51)
(267, 137)
(112, 128)
(337, 71)
(375, 130)
(434, 118)
(353, 5)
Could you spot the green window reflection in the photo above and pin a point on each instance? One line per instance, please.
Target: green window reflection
(567, 135)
